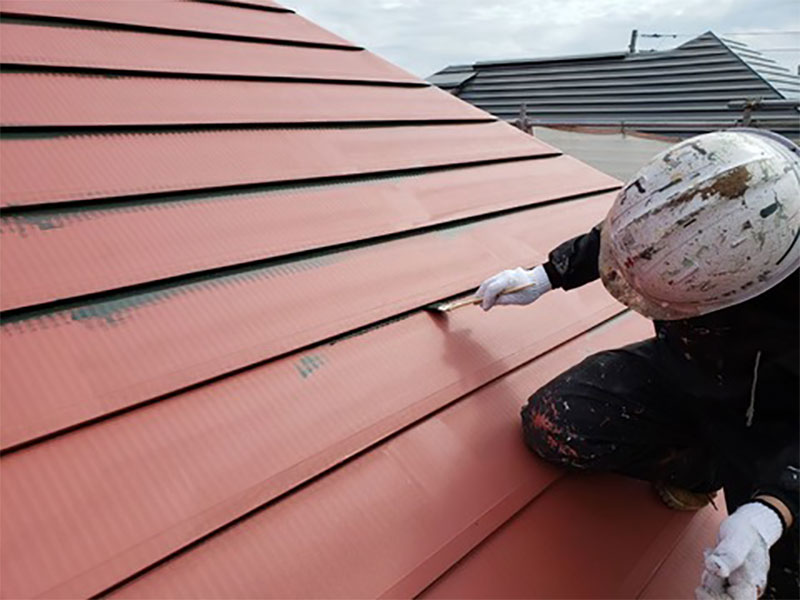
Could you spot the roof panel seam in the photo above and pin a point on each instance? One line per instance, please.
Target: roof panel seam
(10, 16)
(326, 341)
(283, 184)
(21, 130)
(18, 67)
(24, 313)
(247, 6)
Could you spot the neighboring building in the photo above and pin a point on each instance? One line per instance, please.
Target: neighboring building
(705, 84)
(220, 227)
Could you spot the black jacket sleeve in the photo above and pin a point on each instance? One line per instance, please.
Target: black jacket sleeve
(574, 263)
(780, 478)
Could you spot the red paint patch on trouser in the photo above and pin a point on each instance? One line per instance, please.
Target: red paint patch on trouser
(545, 433)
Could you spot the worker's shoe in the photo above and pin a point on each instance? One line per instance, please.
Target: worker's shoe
(681, 499)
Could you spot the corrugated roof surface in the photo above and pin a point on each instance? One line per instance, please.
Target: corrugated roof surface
(196, 18)
(85, 49)
(699, 86)
(220, 224)
(779, 77)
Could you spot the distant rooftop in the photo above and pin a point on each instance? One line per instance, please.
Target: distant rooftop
(566, 58)
(704, 84)
(779, 77)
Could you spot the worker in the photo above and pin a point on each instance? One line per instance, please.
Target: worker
(704, 241)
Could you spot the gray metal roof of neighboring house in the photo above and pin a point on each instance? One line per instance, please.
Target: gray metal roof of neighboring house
(780, 78)
(701, 85)
(452, 77)
(569, 57)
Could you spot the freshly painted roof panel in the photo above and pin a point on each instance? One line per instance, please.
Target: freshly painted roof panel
(624, 555)
(72, 100)
(244, 440)
(135, 243)
(681, 563)
(189, 17)
(120, 351)
(99, 166)
(400, 516)
(77, 48)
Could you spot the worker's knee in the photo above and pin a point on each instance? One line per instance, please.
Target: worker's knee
(581, 418)
(549, 433)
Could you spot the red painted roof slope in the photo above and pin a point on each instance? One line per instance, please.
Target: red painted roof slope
(220, 225)
(211, 20)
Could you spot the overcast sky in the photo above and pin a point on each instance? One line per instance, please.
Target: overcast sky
(424, 36)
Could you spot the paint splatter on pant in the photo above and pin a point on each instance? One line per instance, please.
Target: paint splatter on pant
(641, 411)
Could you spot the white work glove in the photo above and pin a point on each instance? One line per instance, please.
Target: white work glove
(737, 568)
(491, 289)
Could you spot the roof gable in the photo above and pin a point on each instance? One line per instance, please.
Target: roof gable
(785, 83)
(779, 77)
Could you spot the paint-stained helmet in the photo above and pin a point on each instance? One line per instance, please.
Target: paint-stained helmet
(709, 223)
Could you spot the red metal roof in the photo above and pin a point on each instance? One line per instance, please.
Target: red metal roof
(227, 228)
(217, 376)
(93, 50)
(96, 100)
(630, 560)
(263, 4)
(111, 165)
(192, 17)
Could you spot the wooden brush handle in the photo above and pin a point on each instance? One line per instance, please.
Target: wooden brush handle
(473, 300)
(517, 288)
(512, 290)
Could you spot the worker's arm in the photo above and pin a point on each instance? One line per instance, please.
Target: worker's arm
(574, 263)
(569, 265)
(780, 507)
(780, 480)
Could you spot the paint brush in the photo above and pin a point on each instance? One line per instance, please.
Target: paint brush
(444, 307)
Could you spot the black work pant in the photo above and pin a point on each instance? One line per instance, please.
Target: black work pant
(644, 412)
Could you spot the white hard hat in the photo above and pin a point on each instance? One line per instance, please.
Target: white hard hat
(709, 223)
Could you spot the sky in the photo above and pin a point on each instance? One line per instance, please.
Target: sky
(424, 36)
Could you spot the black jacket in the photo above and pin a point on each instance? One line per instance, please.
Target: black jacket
(716, 353)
